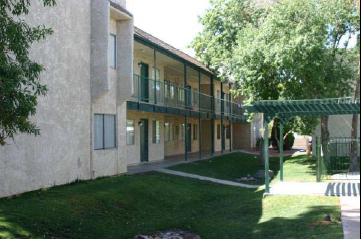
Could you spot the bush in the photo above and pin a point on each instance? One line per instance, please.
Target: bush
(259, 142)
(289, 141)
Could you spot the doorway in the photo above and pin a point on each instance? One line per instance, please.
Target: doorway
(144, 140)
(144, 82)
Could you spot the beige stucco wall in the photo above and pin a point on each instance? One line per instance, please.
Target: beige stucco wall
(218, 142)
(64, 151)
(177, 146)
(243, 135)
(156, 151)
(61, 154)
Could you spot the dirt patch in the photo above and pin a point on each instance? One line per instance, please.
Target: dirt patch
(175, 234)
(324, 223)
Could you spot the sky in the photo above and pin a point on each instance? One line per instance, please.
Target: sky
(173, 21)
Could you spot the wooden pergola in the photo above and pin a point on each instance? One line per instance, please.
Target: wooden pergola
(283, 110)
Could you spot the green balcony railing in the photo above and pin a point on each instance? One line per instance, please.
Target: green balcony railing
(177, 96)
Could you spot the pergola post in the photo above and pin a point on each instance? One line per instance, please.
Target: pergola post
(186, 116)
(281, 151)
(266, 154)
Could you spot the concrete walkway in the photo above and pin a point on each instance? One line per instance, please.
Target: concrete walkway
(218, 181)
(172, 161)
(346, 189)
(350, 207)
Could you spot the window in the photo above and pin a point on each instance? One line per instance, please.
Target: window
(219, 132)
(195, 132)
(219, 94)
(195, 96)
(130, 132)
(156, 132)
(112, 51)
(228, 132)
(158, 74)
(104, 132)
(182, 132)
(169, 137)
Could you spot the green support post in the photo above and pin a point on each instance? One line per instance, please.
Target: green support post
(281, 151)
(319, 160)
(230, 135)
(200, 115)
(266, 155)
(200, 138)
(186, 138)
(213, 125)
(185, 106)
(222, 134)
(155, 77)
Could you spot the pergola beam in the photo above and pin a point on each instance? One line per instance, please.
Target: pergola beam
(287, 109)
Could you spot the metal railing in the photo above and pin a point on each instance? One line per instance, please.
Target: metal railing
(177, 96)
(333, 156)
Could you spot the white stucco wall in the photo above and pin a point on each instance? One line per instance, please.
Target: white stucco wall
(339, 126)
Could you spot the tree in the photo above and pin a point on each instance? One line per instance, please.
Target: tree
(354, 167)
(19, 75)
(289, 50)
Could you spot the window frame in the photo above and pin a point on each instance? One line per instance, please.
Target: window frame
(219, 132)
(115, 52)
(195, 132)
(155, 135)
(104, 135)
(228, 131)
(128, 132)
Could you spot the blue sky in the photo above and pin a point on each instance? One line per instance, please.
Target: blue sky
(173, 21)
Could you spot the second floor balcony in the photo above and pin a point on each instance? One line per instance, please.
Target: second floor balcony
(168, 94)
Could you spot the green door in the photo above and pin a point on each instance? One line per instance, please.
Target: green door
(144, 143)
(189, 138)
(223, 137)
(144, 82)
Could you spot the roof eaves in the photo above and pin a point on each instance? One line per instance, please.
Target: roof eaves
(120, 8)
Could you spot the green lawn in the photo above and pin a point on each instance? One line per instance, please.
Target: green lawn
(237, 165)
(122, 207)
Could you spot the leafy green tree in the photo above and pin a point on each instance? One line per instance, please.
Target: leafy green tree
(19, 75)
(288, 50)
(354, 166)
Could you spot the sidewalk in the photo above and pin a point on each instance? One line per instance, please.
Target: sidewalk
(345, 189)
(350, 207)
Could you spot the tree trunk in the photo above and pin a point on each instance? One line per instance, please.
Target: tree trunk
(276, 135)
(354, 133)
(262, 152)
(325, 137)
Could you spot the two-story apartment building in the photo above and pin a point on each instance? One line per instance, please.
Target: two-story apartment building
(117, 97)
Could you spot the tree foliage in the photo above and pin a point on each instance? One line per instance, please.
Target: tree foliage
(287, 50)
(19, 75)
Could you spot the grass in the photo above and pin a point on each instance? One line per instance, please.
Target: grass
(237, 165)
(122, 207)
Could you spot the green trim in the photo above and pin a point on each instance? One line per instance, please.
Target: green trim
(321, 107)
(281, 152)
(266, 155)
(164, 51)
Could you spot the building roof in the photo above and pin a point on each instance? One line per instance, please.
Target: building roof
(120, 8)
(170, 49)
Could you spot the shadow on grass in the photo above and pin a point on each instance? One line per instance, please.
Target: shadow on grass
(237, 165)
(126, 206)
